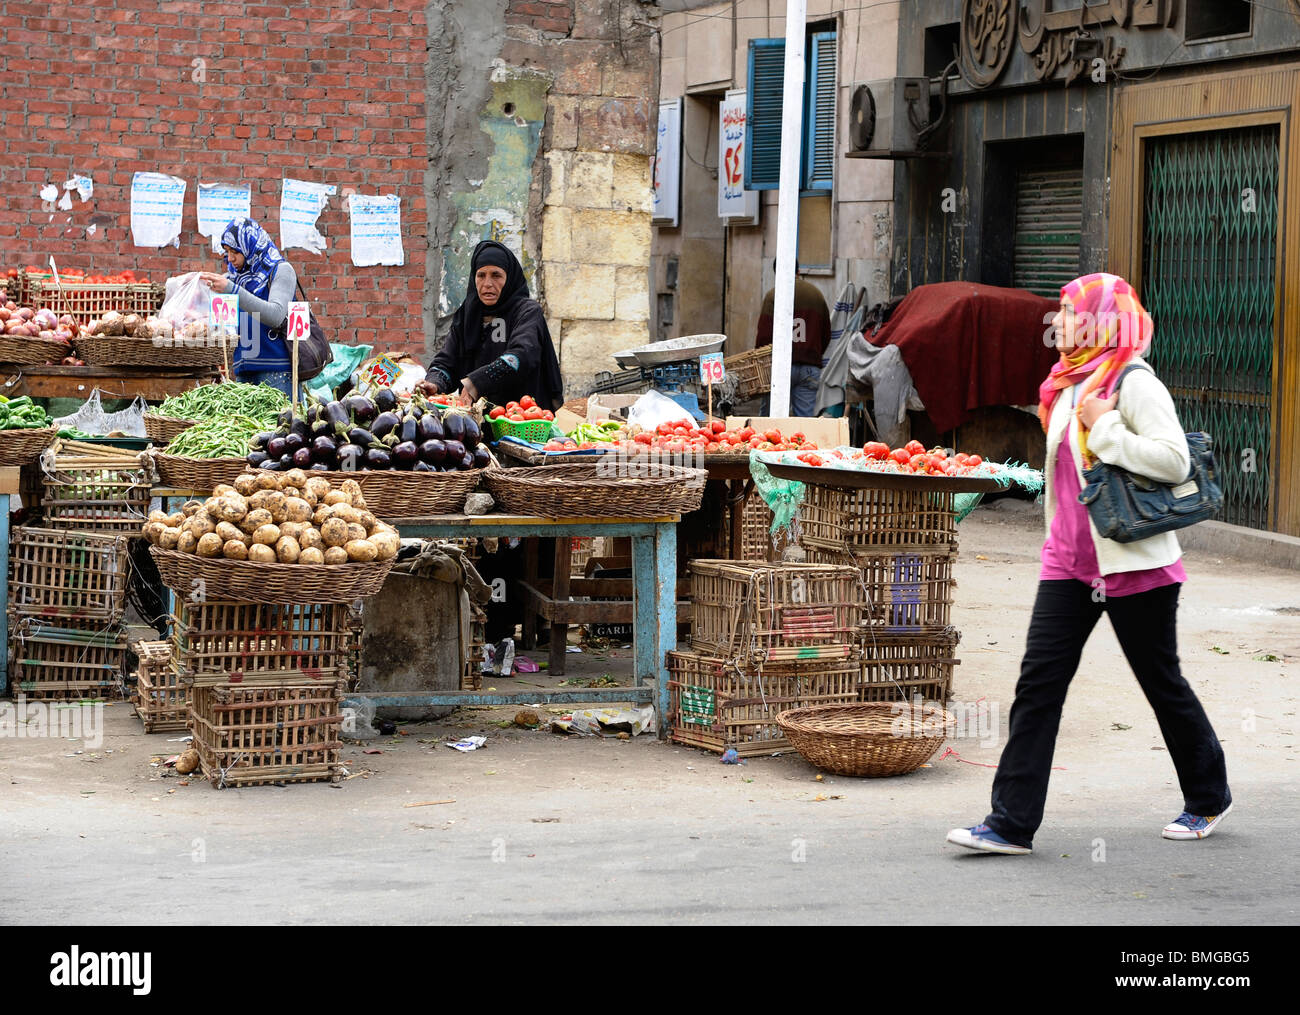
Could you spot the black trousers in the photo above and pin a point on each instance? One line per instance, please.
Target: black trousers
(1146, 626)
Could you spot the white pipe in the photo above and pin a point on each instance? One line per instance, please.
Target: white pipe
(787, 213)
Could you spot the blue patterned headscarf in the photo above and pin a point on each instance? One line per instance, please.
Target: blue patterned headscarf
(260, 256)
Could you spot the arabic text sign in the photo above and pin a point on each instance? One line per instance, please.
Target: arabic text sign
(734, 201)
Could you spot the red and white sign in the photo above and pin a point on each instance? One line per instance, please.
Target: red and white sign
(299, 321)
(734, 201)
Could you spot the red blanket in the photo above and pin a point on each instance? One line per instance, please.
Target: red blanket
(969, 345)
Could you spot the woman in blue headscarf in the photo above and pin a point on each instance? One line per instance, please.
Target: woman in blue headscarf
(265, 283)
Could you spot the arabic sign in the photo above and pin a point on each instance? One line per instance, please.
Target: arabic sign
(734, 201)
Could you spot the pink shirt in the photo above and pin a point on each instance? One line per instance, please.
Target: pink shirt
(1069, 552)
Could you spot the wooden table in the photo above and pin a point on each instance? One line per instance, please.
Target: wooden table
(115, 382)
(8, 488)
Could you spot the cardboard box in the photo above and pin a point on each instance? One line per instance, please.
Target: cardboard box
(603, 407)
(9, 480)
(823, 431)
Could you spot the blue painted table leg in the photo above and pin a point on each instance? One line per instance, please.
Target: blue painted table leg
(643, 609)
(4, 591)
(665, 638)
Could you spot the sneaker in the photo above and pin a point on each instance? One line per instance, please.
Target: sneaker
(1192, 826)
(983, 838)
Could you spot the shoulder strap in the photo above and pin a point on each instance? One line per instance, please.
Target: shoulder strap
(1126, 371)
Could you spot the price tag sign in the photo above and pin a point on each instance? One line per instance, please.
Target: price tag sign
(223, 315)
(711, 369)
(383, 371)
(299, 326)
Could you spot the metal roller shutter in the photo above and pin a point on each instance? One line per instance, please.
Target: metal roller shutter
(1049, 225)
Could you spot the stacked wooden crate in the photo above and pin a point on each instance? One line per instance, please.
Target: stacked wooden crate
(265, 685)
(765, 637)
(67, 599)
(903, 544)
(159, 698)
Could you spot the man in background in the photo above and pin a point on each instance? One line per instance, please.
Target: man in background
(812, 329)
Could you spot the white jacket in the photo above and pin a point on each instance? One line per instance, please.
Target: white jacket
(1143, 435)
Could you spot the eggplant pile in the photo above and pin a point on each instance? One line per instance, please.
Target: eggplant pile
(378, 432)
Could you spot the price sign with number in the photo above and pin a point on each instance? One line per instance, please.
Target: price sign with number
(383, 371)
(711, 369)
(299, 326)
(224, 313)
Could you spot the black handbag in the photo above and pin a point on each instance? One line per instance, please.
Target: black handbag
(314, 352)
(1126, 507)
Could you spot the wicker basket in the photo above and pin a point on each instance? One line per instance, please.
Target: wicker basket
(907, 589)
(202, 475)
(391, 493)
(873, 520)
(102, 350)
(72, 575)
(908, 667)
(755, 612)
(251, 735)
(260, 643)
(161, 429)
(22, 447)
(246, 581)
(67, 661)
(33, 351)
(868, 739)
(752, 371)
(715, 705)
(622, 490)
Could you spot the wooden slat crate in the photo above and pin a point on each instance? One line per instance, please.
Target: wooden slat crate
(752, 371)
(874, 520)
(756, 531)
(904, 667)
(255, 735)
(472, 678)
(754, 611)
(84, 300)
(907, 590)
(65, 662)
(264, 644)
(715, 706)
(75, 575)
(92, 488)
(159, 698)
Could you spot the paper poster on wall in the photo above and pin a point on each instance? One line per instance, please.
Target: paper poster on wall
(734, 201)
(218, 204)
(157, 203)
(668, 163)
(376, 229)
(301, 203)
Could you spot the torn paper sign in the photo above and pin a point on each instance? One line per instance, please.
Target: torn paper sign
(157, 203)
(218, 205)
(376, 229)
(49, 193)
(83, 185)
(301, 203)
(65, 202)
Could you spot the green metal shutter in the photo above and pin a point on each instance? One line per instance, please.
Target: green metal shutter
(1209, 281)
(1049, 227)
(763, 116)
(819, 144)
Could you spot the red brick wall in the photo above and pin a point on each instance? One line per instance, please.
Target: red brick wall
(544, 15)
(333, 94)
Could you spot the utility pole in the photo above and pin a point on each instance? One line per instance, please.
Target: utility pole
(787, 213)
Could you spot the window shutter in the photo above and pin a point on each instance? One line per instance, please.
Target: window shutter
(819, 145)
(763, 117)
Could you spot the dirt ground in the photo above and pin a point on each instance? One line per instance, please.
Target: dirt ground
(538, 827)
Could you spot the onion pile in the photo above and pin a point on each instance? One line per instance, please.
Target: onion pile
(25, 322)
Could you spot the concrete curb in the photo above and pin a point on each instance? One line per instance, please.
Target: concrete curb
(1252, 546)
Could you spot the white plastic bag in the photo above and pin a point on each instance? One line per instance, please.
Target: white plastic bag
(92, 419)
(652, 408)
(188, 299)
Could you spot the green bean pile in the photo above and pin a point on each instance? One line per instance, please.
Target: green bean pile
(217, 438)
(230, 398)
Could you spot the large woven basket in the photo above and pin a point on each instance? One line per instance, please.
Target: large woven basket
(33, 351)
(161, 429)
(101, 350)
(199, 474)
(620, 489)
(400, 494)
(872, 739)
(22, 447)
(245, 581)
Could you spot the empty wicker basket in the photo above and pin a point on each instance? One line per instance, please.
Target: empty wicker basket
(872, 739)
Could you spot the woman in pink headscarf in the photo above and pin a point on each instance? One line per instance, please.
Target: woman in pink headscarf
(1102, 329)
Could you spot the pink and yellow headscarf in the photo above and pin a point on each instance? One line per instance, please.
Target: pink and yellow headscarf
(1111, 328)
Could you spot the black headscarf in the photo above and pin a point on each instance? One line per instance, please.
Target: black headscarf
(469, 315)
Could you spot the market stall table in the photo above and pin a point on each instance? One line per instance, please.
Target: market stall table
(115, 382)
(8, 488)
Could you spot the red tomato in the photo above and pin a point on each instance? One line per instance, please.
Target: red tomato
(745, 434)
(914, 448)
(810, 446)
(497, 412)
(876, 450)
(643, 438)
(527, 402)
(960, 458)
(974, 460)
(532, 412)
(900, 456)
(718, 426)
(774, 436)
(548, 416)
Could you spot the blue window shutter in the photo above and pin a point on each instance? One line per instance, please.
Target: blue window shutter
(763, 115)
(819, 119)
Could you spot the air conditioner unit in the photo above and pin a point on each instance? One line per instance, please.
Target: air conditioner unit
(886, 118)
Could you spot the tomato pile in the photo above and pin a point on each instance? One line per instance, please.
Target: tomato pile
(712, 438)
(521, 411)
(912, 458)
(76, 275)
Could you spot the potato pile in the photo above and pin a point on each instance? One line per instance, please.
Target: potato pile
(271, 517)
